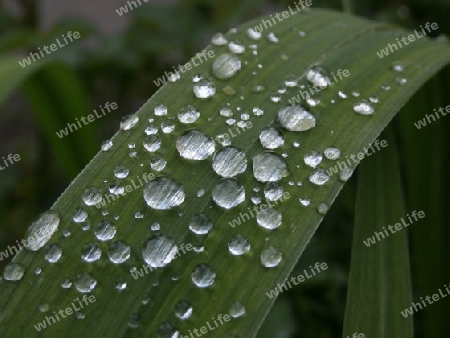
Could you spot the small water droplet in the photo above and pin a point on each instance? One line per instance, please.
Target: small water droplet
(296, 118)
(91, 196)
(273, 191)
(200, 224)
(269, 167)
(219, 40)
(204, 89)
(319, 177)
(160, 110)
(91, 252)
(318, 76)
(253, 34)
(188, 114)
(13, 272)
(226, 66)
(105, 231)
(322, 208)
(345, 174)
(236, 47)
(151, 143)
(121, 285)
(66, 283)
(106, 145)
(271, 257)
(312, 159)
(53, 253)
(84, 282)
(269, 218)
(129, 121)
(183, 310)
(134, 321)
(167, 126)
(401, 80)
(79, 215)
(237, 309)
(238, 245)
(364, 107)
(158, 163)
(304, 201)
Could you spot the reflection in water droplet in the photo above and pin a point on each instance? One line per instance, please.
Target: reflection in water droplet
(229, 162)
(226, 66)
(183, 310)
(13, 272)
(228, 193)
(203, 276)
(163, 194)
(84, 282)
(296, 118)
(159, 251)
(53, 253)
(194, 145)
(40, 231)
(268, 167)
(271, 257)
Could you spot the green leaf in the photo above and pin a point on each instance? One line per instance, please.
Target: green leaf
(334, 40)
(379, 284)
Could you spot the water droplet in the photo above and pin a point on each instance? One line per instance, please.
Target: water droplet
(312, 159)
(204, 89)
(91, 252)
(105, 231)
(106, 145)
(188, 114)
(155, 226)
(364, 107)
(219, 40)
(200, 224)
(312, 102)
(40, 231)
(237, 309)
(322, 208)
(229, 162)
(53, 253)
(121, 285)
(151, 130)
(203, 276)
(66, 283)
(269, 218)
(304, 201)
(272, 37)
(79, 215)
(163, 194)
(183, 310)
(318, 76)
(226, 66)
(167, 126)
(271, 138)
(332, 153)
(13, 272)
(386, 87)
(236, 47)
(273, 191)
(398, 68)
(158, 163)
(92, 196)
(160, 110)
(268, 167)
(129, 122)
(374, 99)
(342, 95)
(401, 80)
(258, 111)
(228, 193)
(159, 251)
(271, 257)
(84, 282)
(253, 34)
(152, 143)
(43, 307)
(134, 321)
(345, 174)
(121, 171)
(194, 145)
(238, 245)
(319, 177)
(168, 330)
(200, 193)
(290, 80)
(296, 118)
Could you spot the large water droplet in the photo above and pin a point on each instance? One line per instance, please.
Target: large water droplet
(271, 257)
(188, 114)
(163, 194)
(91, 252)
(105, 231)
(271, 138)
(53, 253)
(226, 66)
(84, 282)
(159, 251)
(238, 245)
(13, 272)
(203, 276)
(269, 218)
(296, 118)
(194, 145)
(228, 193)
(200, 224)
(183, 310)
(40, 231)
(268, 167)
(229, 162)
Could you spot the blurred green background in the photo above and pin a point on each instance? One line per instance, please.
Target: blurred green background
(118, 58)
